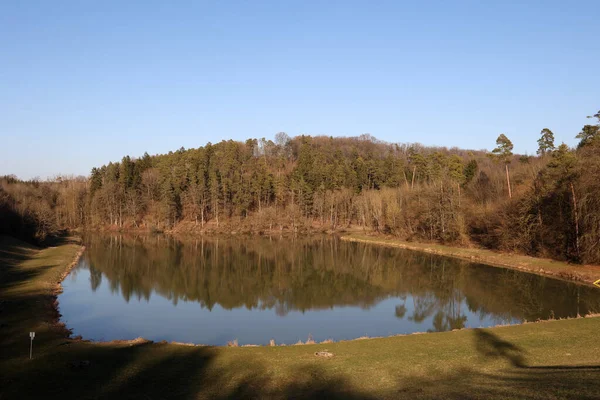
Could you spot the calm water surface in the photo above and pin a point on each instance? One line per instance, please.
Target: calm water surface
(212, 291)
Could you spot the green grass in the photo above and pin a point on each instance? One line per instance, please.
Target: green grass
(550, 360)
(586, 274)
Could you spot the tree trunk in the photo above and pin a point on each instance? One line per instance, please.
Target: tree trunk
(405, 178)
(576, 220)
(508, 182)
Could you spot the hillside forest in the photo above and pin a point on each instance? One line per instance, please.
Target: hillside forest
(546, 204)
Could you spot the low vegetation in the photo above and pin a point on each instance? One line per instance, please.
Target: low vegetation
(545, 205)
(548, 360)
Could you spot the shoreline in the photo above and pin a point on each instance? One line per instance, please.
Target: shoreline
(310, 342)
(62, 329)
(580, 274)
(58, 289)
(67, 367)
(372, 241)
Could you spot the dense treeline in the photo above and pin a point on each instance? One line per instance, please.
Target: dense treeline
(548, 204)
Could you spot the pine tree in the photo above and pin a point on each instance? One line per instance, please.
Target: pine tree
(545, 142)
(590, 134)
(503, 153)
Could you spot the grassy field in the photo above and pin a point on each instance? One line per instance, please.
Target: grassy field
(549, 360)
(586, 274)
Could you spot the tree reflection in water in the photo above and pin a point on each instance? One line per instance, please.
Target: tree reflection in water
(302, 274)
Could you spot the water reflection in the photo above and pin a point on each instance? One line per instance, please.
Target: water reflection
(298, 286)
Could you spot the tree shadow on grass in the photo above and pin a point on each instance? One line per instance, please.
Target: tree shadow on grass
(491, 346)
(26, 302)
(517, 380)
(163, 371)
(18, 311)
(13, 252)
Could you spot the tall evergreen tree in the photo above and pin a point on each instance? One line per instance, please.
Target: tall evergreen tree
(545, 142)
(503, 153)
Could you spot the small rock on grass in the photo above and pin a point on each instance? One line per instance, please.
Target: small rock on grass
(324, 354)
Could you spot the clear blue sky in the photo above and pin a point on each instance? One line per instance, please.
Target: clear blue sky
(83, 83)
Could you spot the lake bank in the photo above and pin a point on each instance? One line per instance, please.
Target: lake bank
(545, 360)
(586, 274)
(30, 283)
(204, 290)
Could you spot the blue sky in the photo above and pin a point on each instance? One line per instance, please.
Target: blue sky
(83, 83)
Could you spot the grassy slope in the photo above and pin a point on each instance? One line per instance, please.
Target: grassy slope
(587, 274)
(558, 359)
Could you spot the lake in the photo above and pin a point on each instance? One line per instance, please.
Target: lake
(253, 289)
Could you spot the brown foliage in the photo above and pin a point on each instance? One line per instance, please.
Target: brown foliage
(305, 183)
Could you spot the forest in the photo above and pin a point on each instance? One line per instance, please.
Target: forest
(546, 204)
